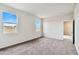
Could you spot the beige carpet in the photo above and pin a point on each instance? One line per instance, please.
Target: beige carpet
(42, 46)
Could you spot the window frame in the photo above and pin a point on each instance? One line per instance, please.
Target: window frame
(12, 13)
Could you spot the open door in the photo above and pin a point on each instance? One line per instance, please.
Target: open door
(69, 30)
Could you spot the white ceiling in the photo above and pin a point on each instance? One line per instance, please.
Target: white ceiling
(44, 9)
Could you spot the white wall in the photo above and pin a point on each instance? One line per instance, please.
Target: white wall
(26, 28)
(54, 26)
(76, 17)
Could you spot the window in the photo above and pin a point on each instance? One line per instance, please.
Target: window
(9, 22)
(38, 24)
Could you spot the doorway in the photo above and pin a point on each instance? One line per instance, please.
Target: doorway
(68, 30)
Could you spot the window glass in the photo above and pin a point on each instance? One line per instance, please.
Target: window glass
(9, 22)
(38, 24)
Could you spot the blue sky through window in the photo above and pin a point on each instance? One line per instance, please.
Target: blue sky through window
(9, 18)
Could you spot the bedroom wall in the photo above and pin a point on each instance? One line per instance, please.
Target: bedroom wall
(76, 18)
(54, 26)
(26, 28)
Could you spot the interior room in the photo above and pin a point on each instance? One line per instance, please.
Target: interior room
(68, 30)
(39, 29)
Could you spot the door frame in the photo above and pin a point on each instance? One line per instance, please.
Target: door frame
(73, 31)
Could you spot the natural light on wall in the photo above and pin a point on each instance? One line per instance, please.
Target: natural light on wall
(9, 22)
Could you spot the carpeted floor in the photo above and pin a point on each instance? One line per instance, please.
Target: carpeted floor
(42, 46)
